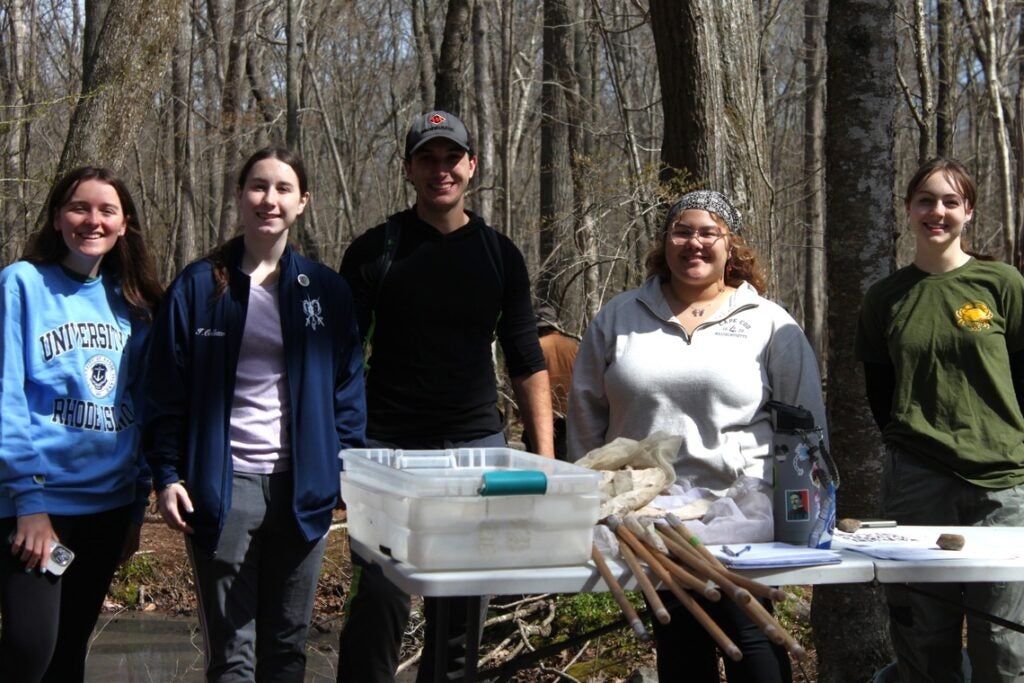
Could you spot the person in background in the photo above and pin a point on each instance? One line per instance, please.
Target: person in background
(434, 285)
(942, 342)
(559, 354)
(75, 313)
(255, 383)
(697, 352)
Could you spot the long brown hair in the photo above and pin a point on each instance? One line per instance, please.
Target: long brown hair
(743, 264)
(220, 256)
(129, 262)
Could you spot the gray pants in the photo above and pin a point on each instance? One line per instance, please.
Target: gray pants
(256, 593)
(926, 633)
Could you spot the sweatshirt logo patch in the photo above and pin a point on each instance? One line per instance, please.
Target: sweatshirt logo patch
(974, 316)
(100, 375)
(314, 313)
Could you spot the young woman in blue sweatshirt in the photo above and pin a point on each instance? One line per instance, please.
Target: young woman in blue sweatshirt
(75, 311)
(254, 385)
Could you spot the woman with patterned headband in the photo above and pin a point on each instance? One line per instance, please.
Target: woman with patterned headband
(696, 351)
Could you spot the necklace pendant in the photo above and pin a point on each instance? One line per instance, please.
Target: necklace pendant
(697, 312)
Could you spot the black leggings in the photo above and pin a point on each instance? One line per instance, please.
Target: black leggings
(47, 620)
(687, 652)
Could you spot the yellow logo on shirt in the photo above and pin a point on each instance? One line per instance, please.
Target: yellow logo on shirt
(974, 316)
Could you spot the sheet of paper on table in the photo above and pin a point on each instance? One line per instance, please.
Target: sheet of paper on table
(769, 555)
(902, 545)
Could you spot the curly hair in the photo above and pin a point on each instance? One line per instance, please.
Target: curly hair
(129, 262)
(742, 266)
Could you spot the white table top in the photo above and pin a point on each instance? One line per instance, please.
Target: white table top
(968, 568)
(584, 578)
(855, 568)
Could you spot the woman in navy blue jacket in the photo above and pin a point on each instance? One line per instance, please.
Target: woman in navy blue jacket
(255, 382)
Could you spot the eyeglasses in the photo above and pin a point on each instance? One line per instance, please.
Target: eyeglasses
(706, 236)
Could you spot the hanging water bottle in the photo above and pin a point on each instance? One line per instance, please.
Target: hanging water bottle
(805, 478)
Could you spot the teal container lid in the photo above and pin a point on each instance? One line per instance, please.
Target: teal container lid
(514, 483)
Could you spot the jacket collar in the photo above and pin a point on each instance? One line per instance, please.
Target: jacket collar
(237, 247)
(651, 296)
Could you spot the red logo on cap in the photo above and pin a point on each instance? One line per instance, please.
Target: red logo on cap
(436, 119)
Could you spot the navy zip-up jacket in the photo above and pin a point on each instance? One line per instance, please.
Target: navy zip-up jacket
(190, 384)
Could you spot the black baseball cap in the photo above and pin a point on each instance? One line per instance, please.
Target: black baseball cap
(436, 124)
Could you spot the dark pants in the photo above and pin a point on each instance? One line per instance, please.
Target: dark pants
(378, 612)
(926, 633)
(256, 593)
(47, 620)
(686, 652)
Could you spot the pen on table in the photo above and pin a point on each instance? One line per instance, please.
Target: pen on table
(734, 553)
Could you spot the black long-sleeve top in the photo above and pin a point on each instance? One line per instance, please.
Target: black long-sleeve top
(442, 301)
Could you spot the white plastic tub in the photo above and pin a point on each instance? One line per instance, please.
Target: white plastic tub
(470, 508)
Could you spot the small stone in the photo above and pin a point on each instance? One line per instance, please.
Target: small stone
(848, 525)
(950, 541)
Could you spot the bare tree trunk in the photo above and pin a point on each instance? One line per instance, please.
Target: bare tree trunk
(448, 85)
(715, 131)
(555, 184)
(483, 199)
(643, 199)
(945, 120)
(131, 54)
(425, 55)
(814, 159)
(231, 110)
(256, 74)
(983, 34)
(17, 99)
(859, 172)
(95, 16)
(292, 87)
(338, 163)
(183, 233)
(922, 51)
(582, 145)
(1018, 139)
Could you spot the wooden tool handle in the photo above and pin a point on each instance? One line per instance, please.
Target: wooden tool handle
(686, 579)
(657, 606)
(620, 595)
(713, 629)
(756, 588)
(701, 567)
(788, 640)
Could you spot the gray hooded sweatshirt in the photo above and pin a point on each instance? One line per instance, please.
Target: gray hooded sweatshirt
(638, 372)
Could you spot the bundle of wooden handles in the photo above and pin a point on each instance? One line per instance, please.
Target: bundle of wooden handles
(690, 566)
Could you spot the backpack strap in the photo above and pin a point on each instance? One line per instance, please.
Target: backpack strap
(493, 249)
(392, 231)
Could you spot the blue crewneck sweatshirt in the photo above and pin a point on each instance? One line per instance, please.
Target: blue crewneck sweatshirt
(69, 360)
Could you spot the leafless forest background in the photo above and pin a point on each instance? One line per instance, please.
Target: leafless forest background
(587, 114)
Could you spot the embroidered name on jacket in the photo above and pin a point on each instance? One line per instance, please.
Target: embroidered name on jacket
(70, 336)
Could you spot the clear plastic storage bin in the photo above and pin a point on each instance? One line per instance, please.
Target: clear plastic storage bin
(470, 508)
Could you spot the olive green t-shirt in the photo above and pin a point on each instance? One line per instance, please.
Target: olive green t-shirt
(949, 337)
